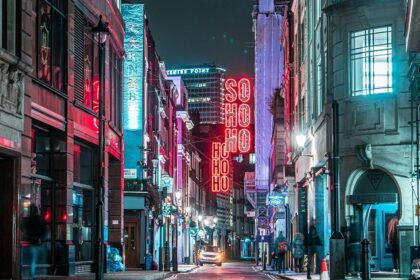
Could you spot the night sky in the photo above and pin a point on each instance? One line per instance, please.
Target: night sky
(191, 32)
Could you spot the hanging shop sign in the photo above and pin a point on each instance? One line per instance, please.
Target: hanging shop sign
(237, 132)
(238, 115)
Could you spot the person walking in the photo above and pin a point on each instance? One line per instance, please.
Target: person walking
(314, 249)
(281, 246)
(393, 241)
(35, 232)
(298, 251)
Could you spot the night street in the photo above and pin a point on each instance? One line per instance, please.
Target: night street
(229, 270)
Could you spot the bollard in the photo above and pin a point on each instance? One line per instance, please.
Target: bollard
(365, 260)
(167, 257)
(174, 260)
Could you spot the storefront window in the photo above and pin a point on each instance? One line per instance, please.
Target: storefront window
(83, 201)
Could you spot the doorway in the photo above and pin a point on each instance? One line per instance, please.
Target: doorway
(7, 186)
(377, 218)
(372, 201)
(131, 243)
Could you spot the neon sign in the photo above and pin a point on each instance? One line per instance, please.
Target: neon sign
(237, 132)
(187, 71)
(220, 168)
(238, 115)
(133, 15)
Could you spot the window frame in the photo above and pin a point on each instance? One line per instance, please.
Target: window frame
(367, 58)
(61, 15)
(116, 80)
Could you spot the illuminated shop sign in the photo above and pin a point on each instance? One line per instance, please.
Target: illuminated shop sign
(237, 132)
(238, 115)
(188, 71)
(220, 168)
(133, 15)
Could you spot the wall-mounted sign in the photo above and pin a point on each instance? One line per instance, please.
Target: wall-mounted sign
(133, 15)
(187, 71)
(130, 173)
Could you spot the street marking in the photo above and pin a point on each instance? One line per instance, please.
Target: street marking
(173, 277)
(272, 277)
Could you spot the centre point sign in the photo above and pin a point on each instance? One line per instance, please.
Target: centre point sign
(237, 132)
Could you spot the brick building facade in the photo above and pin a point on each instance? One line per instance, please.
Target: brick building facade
(49, 142)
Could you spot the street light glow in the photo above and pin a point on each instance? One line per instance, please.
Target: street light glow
(301, 140)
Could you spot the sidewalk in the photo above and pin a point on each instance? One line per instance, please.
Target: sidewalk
(127, 275)
(292, 275)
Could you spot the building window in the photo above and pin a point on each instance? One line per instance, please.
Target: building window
(115, 89)
(90, 72)
(371, 61)
(50, 42)
(83, 200)
(8, 25)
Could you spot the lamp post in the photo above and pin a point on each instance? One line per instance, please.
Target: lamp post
(337, 241)
(187, 213)
(100, 32)
(178, 196)
(155, 163)
(301, 141)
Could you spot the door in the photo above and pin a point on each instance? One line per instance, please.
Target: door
(131, 237)
(7, 185)
(376, 231)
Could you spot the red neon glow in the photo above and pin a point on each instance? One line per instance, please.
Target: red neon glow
(231, 140)
(47, 216)
(237, 115)
(244, 115)
(231, 94)
(220, 168)
(244, 140)
(231, 115)
(244, 90)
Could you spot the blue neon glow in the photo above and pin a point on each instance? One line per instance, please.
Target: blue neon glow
(133, 15)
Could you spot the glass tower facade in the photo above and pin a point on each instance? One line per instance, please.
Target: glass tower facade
(205, 84)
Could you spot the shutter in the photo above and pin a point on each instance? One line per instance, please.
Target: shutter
(79, 27)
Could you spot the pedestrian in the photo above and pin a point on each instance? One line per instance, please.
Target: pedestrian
(281, 246)
(314, 248)
(298, 251)
(35, 232)
(393, 241)
(273, 261)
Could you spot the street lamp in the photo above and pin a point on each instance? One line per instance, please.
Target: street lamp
(100, 32)
(301, 140)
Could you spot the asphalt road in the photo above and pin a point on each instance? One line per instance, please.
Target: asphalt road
(228, 271)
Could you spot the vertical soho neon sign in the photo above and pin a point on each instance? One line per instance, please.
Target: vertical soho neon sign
(237, 133)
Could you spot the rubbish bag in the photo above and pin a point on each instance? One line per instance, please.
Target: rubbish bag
(115, 260)
(148, 261)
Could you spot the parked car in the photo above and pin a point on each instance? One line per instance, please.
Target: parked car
(210, 255)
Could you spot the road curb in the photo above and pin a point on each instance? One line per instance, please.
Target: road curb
(188, 271)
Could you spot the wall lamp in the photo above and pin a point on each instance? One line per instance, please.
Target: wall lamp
(301, 141)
